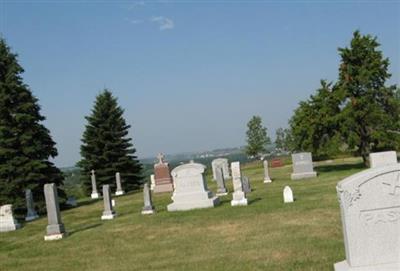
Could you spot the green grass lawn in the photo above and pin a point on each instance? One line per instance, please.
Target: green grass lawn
(265, 235)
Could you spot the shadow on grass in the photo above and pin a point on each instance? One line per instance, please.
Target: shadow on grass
(254, 200)
(330, 168)
(84, 228)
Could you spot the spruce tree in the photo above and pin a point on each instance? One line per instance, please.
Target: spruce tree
(25, 143)
(106, 147)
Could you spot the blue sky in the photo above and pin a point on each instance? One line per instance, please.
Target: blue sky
(189, 74)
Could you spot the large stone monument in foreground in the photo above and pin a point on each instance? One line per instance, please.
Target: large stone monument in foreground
(238, 196)
(370, 211)
(302, 166)
(223, 164)
(386, 158)
(191, 190)
(7, 221)
(162, 176)
(55, 229)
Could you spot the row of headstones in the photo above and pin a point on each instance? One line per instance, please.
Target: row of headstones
(95, 193)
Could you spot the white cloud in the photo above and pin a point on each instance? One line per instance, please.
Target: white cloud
(164, 23)
(136, 4)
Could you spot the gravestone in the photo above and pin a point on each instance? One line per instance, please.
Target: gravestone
(152, 182)
(162, 176)
(246, 184)
(55, 229)
(148, 204)
(378, 159)
(30, 206)
(370, 212)
(267, 179)
(302, 166)
(113, 202)
(238, 196)
(221, 190)
(287, 195)
(7, 221)
(108, 212)
(220, 163)
(276, 163)
(119, 186)
(191, 190)
(71, 201)
(95, 194)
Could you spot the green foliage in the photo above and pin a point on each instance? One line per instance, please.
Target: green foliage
(283, 139)
(106, 147)
(25, 144)
(257, 138)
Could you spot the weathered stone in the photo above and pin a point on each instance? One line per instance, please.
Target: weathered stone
(302, 166)
(370, 212)
(221, 190)
(162, 176)
(119, 191)
(95, 194)
(238, 196)
(148, 203)
(267, 179)
(7, 221)
(246, 184)
(55, 229)
(30, 206)
(108, 212)
(287, 195)
(191, 190)
(378, 159)
(220, 163)
(152, 182)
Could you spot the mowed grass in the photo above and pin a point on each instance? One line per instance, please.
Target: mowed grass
(265, 235)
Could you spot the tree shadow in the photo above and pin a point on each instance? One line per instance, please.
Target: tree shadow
(84, 228)
(342, 167)
(253, 200)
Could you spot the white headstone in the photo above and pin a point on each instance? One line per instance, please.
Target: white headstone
(378, 159)
(95, 194)
(7, 221)
(119, 191)
(370, 212)
(238, 196)
(152, 182)
(267, 179)
(191, 190)
(287, 195)
(220, 163)
(302, 166)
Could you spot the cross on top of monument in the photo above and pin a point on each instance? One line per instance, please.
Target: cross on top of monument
(160, 158)
(394, 184)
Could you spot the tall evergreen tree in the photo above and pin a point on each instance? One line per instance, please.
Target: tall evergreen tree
(106, 147)
(25, 144)
(257, 137)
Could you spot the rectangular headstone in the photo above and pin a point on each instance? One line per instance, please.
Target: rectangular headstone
(302, 166)
(238, 196)
(370, 211)
(55, 229)
(221, 191)
(95, 194)
(119, 191)
(108, 212)
(267, 179)
(378, 159)
(7, 220)
(30, 206)
(148, 203)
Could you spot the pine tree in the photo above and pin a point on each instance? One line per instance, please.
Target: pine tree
(257, 137)
(25, 144)
(106, 147)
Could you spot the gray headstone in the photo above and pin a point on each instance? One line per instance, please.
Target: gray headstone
(220, 163)
(302, 166)
(238, 196)
(108, 212)
(378, 159)
(7, 221)
(191, 190)
(221, 190)
(119, 186)
(95, 194)
(246, 184)
(148, 204)
(287, 195)
(55, 229)
(267, 179)
(370, 212)
(30, 206)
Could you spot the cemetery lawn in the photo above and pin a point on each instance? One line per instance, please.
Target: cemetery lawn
(265, 235)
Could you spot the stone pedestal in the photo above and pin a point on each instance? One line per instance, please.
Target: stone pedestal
(302, 166)
(191, 190)
(221, 190)
(55, 229)
(108, 212)
(162, 177)
(7, 221)
(238, 196)
(30, 206)
(148, 204)
(267, 179)
(94, 194)
(119, 191)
